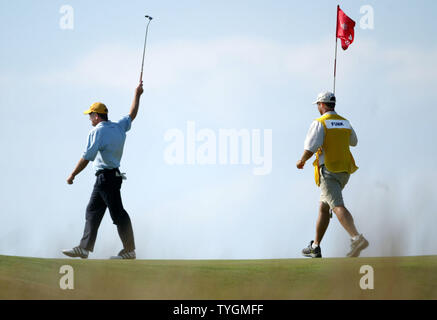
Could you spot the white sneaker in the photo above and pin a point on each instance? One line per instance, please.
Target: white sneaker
(356, 246)
(76, 252)
(123, 254)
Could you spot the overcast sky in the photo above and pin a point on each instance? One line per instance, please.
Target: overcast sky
(243, 65)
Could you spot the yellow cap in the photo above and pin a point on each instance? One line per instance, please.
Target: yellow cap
(97, 107)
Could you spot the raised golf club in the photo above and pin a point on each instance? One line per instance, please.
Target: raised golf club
(144, 49)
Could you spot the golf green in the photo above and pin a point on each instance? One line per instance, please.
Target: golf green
(412, 277)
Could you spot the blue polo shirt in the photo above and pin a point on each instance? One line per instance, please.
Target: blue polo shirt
(106, 142)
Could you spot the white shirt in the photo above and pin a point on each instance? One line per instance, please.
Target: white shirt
(316, 135)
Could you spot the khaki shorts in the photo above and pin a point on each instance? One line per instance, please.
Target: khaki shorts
(331, 185)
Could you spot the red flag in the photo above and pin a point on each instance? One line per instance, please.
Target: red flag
(345, 28)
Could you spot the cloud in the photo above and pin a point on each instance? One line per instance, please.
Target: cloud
(410, 65)
(107, 66)
(178, 62)
(231, 62)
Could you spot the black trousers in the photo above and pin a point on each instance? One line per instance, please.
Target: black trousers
(106, 194)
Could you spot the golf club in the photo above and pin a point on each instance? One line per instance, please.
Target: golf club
(144, 49)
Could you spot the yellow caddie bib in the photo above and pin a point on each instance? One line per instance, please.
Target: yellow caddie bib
(335, 148)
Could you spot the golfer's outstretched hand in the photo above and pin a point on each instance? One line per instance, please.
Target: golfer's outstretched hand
(70, 179)
(139, 91)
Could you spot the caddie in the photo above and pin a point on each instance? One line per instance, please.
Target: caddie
(329, 138)
(105, 148)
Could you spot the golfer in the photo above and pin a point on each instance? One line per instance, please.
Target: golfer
(329, 137)
(105, 148)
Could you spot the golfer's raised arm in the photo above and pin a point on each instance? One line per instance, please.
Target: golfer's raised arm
(136, 103)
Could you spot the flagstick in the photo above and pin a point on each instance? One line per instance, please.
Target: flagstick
(335, 63)
(336, 39)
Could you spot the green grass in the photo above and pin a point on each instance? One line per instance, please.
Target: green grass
(333, 278)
